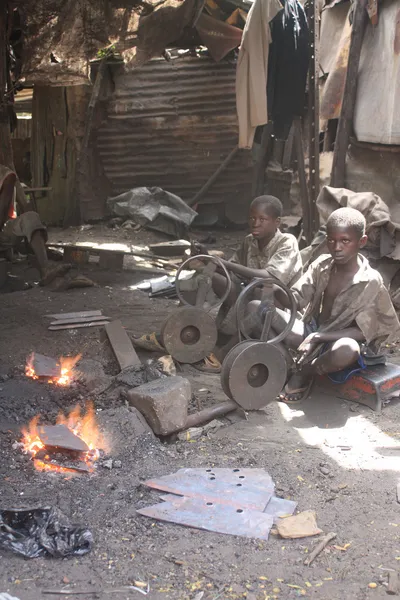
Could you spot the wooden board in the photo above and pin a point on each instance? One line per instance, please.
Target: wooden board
(122, 345)
(79, 320)
(73, 315)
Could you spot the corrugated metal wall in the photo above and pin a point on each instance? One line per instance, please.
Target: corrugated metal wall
(171, 124)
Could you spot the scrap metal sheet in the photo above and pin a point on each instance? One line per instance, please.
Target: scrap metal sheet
(220, 518)
(240, 488)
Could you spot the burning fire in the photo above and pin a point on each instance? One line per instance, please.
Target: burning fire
(67, 364)
(81, 423)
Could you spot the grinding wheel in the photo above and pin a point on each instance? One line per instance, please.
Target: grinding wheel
(189, 334)
(253, 374)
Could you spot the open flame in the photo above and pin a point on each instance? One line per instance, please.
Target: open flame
(67, 363)
(82, 423)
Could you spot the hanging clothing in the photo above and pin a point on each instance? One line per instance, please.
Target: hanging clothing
(252, 70)
(289, 56)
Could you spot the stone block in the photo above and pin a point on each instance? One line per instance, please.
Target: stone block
(163, 402)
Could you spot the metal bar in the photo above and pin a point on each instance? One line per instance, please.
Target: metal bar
(208, 414)
(313, 110)
(202, 192)
(360, 16)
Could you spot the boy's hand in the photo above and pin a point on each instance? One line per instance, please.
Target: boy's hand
(307, 346)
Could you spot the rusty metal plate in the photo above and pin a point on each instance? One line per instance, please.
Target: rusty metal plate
(253, 374)
(59, 436)
(239, 488)
(44, 366)
(189, 334)
(205, 514)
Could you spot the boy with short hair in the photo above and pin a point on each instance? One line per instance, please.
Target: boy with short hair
(346, 304)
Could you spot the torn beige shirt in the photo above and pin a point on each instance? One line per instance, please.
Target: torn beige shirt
(280, 257)
(365, 301)
(252, 70)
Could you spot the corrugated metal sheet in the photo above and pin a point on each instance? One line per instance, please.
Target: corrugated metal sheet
(23, 101)
(171, 124)
(23, 131)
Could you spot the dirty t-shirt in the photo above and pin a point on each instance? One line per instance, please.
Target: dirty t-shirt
(365, 301)
(281, 257)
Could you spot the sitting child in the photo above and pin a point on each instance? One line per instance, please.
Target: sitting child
(346, 304)
(264, 253)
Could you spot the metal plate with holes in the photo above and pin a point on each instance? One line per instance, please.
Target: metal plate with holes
(240, 488)
(253, 374)
(189, 334)
(205, 514)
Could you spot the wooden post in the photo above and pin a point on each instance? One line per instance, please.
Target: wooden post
(6, 152)
(73, 215)
(360, 17)
(313, 109)
(262, 162)
(305, 202)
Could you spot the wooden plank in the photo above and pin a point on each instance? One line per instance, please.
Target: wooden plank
(77, 325)
(79, 320)
(345, 125)
(122, 345)
(76, 315)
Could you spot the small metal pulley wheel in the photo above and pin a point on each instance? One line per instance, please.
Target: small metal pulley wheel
(204, 280)
(253, 374)
(240, 308)
(189, 334)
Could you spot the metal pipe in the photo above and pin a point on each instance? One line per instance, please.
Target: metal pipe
(208, 414)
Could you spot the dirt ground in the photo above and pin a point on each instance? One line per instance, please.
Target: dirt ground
(334, 457)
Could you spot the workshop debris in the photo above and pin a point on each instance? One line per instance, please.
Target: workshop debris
(90, 318)
(122, 345)
(144, 589)
(298, 526)
(319, 547)
(42, 532)
(163, 403)
(173, 248)
(393, 583)
(230, 501)
(194, 433)
(72, 445)
(154, 208)
(61, 373)
(77, 315)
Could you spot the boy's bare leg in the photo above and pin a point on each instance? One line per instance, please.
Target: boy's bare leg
(342, 354)
(47, 273)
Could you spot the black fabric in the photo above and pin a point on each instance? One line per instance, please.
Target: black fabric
(287, 67)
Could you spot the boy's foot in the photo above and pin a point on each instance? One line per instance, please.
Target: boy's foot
(51, 273)
(209, 364)
(296, 390)
(149, 342)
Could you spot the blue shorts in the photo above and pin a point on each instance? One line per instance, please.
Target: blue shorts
(345, 374)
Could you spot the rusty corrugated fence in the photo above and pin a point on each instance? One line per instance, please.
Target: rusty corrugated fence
(171, 124)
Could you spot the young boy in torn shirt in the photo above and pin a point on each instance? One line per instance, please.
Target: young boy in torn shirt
(346, 304)
(265, 252)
